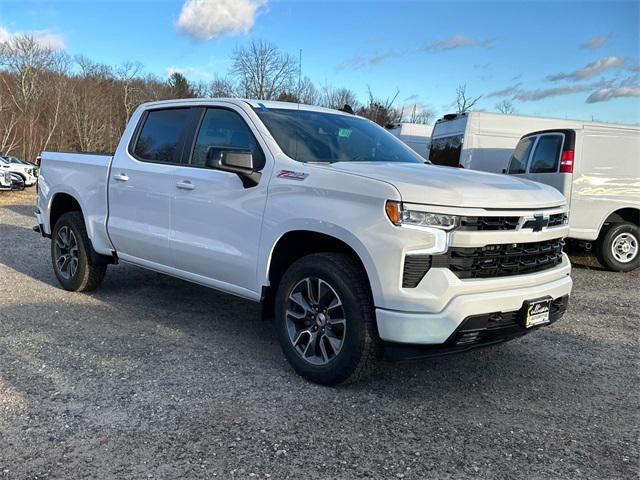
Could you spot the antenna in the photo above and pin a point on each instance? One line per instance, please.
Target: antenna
(299, 74)
(299, 91)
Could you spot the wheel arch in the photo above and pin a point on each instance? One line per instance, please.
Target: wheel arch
(295, 244)
(61, 203)
(619, 215)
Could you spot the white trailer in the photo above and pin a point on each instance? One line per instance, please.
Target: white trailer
(484, 140)
(415, 135)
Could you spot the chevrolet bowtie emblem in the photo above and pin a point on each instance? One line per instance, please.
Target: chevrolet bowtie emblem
(540, 221)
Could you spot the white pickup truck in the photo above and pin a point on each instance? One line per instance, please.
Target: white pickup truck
(354, 245)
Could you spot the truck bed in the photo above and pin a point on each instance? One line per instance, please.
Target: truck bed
(83, 176)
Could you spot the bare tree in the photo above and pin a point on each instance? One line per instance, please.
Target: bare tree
(506, 107)
(463, 102)
(222, 87)
(8, 126)
(127, 74)
(380, 110)
(331, 97)
(263, 71)
(416, 113)
(307, 92)
(56, 76)
(33, 68)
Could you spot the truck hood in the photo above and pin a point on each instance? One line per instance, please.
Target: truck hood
(456, 187)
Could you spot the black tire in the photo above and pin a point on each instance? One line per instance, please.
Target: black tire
(605, 247)
(361, 347)
(89, 273)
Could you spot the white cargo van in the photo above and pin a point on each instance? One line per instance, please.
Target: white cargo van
(484, 140)
(597, 167)
(415, 135)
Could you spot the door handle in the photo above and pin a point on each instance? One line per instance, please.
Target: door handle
(185, 185)
(121, 177)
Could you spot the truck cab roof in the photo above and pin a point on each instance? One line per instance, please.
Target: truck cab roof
(241, 102)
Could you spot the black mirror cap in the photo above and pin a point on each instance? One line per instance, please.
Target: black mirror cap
(238, 161)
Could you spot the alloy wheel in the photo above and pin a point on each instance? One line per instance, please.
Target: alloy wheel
(315, 321)
(66, 253)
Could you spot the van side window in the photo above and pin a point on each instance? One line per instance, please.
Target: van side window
(518, 163)
(224, 129)
(446, 151)
(161, 136)
(547, 154)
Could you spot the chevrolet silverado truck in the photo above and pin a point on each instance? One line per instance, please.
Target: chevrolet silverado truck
(355, 246)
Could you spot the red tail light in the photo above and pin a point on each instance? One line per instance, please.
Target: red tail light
(566, 162)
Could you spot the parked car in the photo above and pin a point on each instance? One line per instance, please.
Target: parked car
(13, 165)
(5, 180)
(351, 242)
(484, 140)
(597, 168)
(17, 182)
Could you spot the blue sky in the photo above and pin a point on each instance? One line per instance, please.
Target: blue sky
(562, 59)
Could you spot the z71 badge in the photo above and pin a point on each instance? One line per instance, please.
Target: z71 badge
(291, 175)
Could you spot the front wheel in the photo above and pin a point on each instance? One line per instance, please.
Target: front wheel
(325, 319)
(618, 249)
(73, 256)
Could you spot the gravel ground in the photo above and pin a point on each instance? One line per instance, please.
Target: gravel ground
(152, 377)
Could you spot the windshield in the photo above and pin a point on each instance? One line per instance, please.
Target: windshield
(309, 136)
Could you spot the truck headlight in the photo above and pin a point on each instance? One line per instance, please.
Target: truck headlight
(415, 218)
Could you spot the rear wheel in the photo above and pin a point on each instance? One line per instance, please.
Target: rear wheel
(72, 255)
(325, 320)
(618, 248)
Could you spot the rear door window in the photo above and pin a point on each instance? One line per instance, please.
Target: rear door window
(446, 151)
(518, 163)
(546, 156)
(162, 136)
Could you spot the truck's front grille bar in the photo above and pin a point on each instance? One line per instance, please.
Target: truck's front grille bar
(487, 223)
(501, 260)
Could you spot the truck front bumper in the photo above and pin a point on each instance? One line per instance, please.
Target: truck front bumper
(439, 329)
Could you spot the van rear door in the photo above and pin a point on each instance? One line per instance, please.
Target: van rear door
(447, 140)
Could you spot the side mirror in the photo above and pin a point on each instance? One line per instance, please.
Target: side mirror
(236, 161)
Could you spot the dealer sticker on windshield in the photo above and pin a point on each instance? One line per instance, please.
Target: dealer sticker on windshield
(537, 312)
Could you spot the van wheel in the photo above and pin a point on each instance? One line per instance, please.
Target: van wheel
(618, 249)
(325, 319)
(73, 256)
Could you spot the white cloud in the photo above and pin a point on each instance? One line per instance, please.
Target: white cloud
(606, 94)
(458, 41)
(361, 61)
(535, 95)
(593, 68)
(207, 19)
(187, 71)
(596, 42)
(506, 92)
(45, 38)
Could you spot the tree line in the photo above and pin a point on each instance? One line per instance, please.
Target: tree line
(50, 100)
